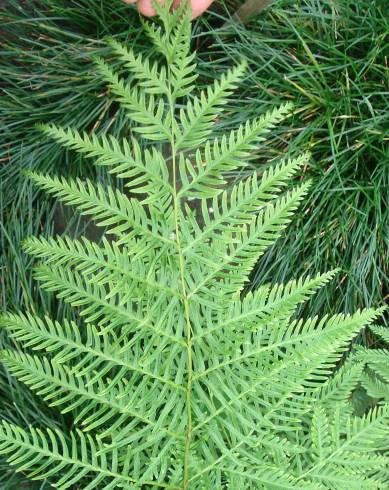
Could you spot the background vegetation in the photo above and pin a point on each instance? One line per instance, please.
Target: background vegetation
(327, 56)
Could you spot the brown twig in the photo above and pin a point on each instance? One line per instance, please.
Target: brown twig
(249, 9)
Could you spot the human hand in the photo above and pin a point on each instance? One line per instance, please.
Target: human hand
(145, 6)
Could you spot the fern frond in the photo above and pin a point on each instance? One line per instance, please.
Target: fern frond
(174, 43)
(233, 256)
(263, 306)
(329, 329)
(144, 173)
(142, 109)
(372, 356)
(276, 361)
(381, 332)
(98, 357)
(265, 476)
(91, 298)
(107, 264)
(110, 208)
(228, 153)
(321, 440)
(197, 118)
(151, 77)
(382, 370)
(235, 208)
(101, 407)
(174, 375)
(375, 388)
(376, 378)
(377, 360)
(43, 455)
(359, 437)
(339, 388)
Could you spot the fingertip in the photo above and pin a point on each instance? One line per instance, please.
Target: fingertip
(199, 7)
(145, 8)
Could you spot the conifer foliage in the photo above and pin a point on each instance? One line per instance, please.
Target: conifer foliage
(173, 375)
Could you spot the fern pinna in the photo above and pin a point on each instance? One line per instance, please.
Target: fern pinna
(174, 376)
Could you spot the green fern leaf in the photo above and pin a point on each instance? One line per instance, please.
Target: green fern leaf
(152, 77)
(50, 454)
(142, 109)
(108, 207)
(172, 373)
(205, 178)
(197, 118)
(381, 332)
(145, 174)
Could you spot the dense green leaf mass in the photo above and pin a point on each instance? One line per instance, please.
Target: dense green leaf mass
(174, 378)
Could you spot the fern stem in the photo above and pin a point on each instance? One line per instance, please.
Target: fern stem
(185, 301)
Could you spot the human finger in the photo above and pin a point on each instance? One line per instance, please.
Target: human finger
(198, 7)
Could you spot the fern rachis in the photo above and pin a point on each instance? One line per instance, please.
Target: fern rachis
(174, 378)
